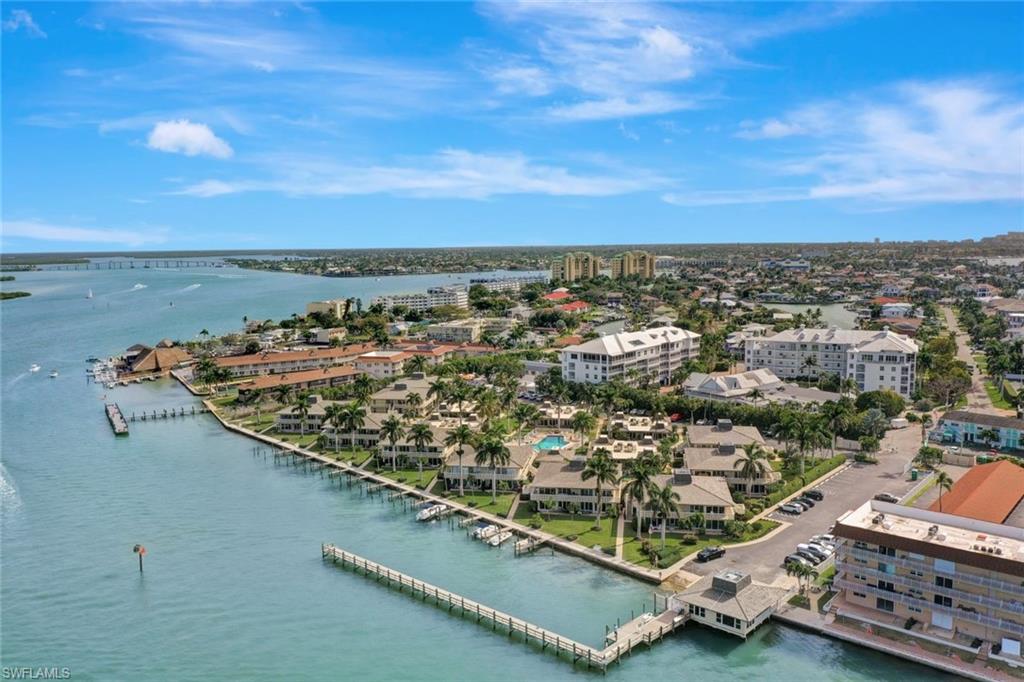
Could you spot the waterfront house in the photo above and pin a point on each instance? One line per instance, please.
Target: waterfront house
(967, 427)
(301, 381)
(431, 455)
(705, 495)
(257, 364)
(289, 420)
(367, 436)
(511, 476)
(730, 601)
(558, 485)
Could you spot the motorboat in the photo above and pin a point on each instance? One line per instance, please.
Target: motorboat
(499, 538)
(431, 512)
(34, 368)
(484, 532)
(54, 374)
(89, 295)
(111, 384)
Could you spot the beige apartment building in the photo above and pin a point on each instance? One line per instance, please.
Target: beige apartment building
(653, 353)
(960, 580)
(575, 267)
(630, 263)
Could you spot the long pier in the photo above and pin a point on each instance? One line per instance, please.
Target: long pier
(167, 414)
(645, 629)
(138, 263)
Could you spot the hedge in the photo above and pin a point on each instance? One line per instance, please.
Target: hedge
(812, 474)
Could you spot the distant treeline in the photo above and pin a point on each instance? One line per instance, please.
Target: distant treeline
(4, 295)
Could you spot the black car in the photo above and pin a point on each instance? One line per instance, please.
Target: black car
(805, 501)
(816, 495)
(709, 553)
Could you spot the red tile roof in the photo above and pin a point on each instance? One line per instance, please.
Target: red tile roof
(988, 492)
(288, 356)
(574, 307)
(329, 374)
(557, 296)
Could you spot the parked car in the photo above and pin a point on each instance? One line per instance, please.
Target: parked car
(797, 559)
(814, 559)
(791, 509)
(709, 553)
(825, 549)
(887, 497)
(814, 495)
(813, 551)
(824, 537)
(805, 501)
(800, 504)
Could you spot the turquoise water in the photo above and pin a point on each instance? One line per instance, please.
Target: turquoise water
(549, 443)
(234, 586)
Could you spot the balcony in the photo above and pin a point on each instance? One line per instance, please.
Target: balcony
(906, 600)
(929, 569)
(925, 586)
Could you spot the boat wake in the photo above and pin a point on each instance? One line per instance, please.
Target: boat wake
(136, 287)
(9, 498)
(190, 287)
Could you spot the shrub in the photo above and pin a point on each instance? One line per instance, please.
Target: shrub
(923, 405)
(912, 417)
(689, 539)
(471, 503)
(571, 538)
(865, 458)
(889, 402)
(536, 521)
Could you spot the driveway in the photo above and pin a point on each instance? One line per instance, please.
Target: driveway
(843, 491)
(977, 397)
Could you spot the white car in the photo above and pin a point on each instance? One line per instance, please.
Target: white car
(792, 509)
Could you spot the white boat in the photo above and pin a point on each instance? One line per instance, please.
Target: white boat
(89, 295)
(34, 368)
(485, 532)
(496, 540)
(430, 512)
(54, 374)
(111, 384)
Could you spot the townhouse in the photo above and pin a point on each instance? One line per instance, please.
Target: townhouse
(558, 485)
(510, 476)
(395, 398)
(723, 432)
(258, 364)
(723, 461)
(708, 496)
(966, 427)
(302, 381)
(383, 364)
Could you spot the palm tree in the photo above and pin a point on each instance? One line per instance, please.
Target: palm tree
(755, 394)
(802, 572)
(494, 453)
(848, 385)
(256, 396)
(302, 405)
(838, 414)
(391, 429)
(664, 502)
(333, 415)
(362, 387)
(413, 403)
(525, 414)
(583, 424)
(603, 470)
(322, 440)
(753, 463)
(421, 435)
(458, 438)
(458, 392)
(353, 419)
(437, 390)
(282, 394)
(637, 486)
(944, 484)
(417, 363)
(487, 404)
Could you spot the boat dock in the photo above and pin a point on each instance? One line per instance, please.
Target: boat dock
(644, 629)
(167, 414)
(116, 419)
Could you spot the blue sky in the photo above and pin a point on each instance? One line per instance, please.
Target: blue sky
(173, 125)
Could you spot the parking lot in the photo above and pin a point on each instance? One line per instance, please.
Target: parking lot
(843, 491)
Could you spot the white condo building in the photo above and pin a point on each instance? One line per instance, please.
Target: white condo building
(874, 359)
(655, 353)
(457, 296)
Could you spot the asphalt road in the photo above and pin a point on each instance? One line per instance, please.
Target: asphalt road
(843, 491)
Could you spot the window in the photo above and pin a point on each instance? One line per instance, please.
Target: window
(943, 566)
(942, 581)
(697, 611)
(885, 605)
(943, 600)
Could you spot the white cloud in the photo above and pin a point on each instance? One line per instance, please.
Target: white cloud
(191, 139)
(644, 104)
(21, 19)
(913, 143)
(451, 173)
(42, 231)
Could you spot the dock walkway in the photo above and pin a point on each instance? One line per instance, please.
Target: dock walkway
(116, 419)
(645, 629)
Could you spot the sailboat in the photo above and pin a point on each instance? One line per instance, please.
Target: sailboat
(89, 295)
(34, 368)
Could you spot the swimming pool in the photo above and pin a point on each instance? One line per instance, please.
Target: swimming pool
(550, 443)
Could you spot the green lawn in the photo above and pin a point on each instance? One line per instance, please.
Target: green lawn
(294, 438)
(631, 550)
(582, 527)
(411, 476)
(250, 422)
(483, 501)
(996, 396)
(356, 457)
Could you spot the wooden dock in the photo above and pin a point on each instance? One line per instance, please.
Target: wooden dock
(172, 413)
(116, 419)
(645, 629)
